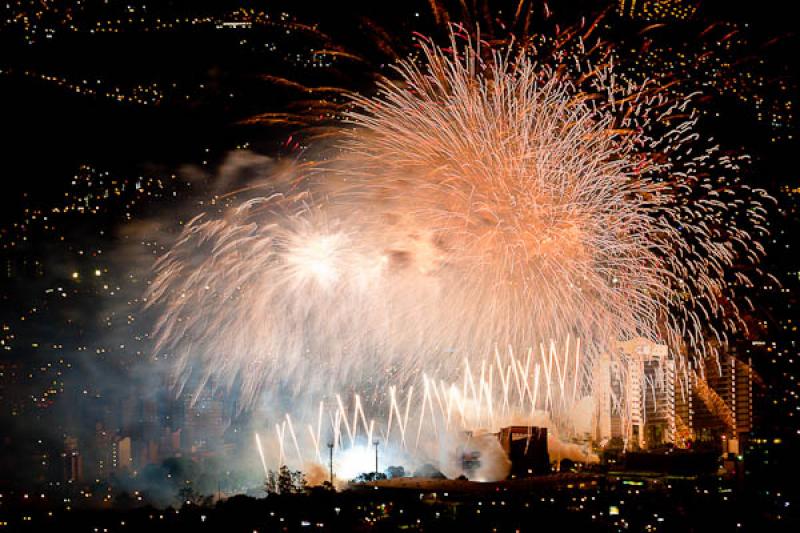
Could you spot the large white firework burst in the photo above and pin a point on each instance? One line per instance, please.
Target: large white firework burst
(484, 198)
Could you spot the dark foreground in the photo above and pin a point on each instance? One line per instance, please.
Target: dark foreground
(568, 502)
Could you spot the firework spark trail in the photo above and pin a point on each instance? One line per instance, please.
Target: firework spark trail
(443, 410)
(261, 455)
(483, 199)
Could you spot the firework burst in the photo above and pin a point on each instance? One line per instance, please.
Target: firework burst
(483, 198)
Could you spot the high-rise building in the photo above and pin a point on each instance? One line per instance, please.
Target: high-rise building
(104, 453)
(602, 385)
(203, 422)
(72, 461)
(723, 402)
(124, 455)
(684, 409)
(658, 398)
(648, 384)
(150, 420)
(129, 414)
(647, 402)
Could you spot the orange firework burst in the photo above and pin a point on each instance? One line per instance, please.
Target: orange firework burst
(483, 198)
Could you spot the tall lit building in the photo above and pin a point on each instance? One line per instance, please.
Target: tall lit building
(104, 453)
(649, 385)
(72, 461)
(659, 423)
(124, 455)
(203, 421)
(653, 403)
(723, 402)
(602, 385)
(684, 410)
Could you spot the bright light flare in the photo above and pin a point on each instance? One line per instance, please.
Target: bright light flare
(316, 257)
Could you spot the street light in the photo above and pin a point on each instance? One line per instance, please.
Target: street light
(330, 448)
(375, 442)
